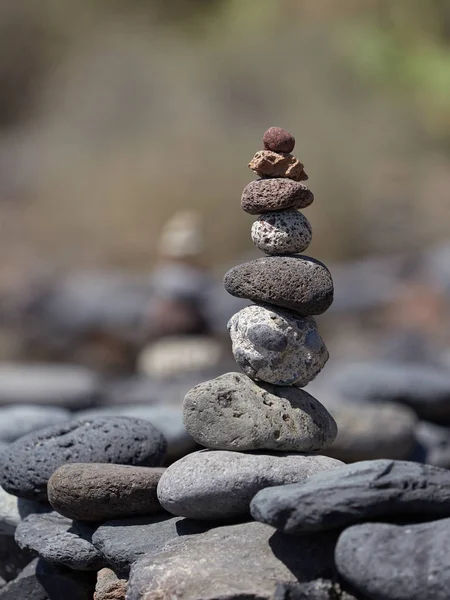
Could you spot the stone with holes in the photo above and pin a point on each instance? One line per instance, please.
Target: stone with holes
(368, 490)
(282, 232)
(232, 412)
(281, 193)
(267, 163)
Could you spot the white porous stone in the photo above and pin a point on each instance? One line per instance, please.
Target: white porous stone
(282, 232)
(276, 346)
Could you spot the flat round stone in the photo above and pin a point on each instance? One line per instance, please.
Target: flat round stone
(266, 163)
(299, 283)
(28, 463)
(96, 491)
(280, 193)
(218, 484)
(282, 232)
(232, 412)
(276, 346)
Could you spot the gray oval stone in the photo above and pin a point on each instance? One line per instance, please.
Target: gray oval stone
(59, 541)
(278, 193)
(277, 346)
(299, 283)
(232, 412)
(96, 491)
(18, 420)
(367, 490)
(409, 562)
(282, 232)
(218, 484)
(27, 464)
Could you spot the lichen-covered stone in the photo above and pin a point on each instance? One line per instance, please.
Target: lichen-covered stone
(266, 163)
(276, 346)
(299, 283)
(278, 139)
(232, 412)
(280, 193)
(282, 232)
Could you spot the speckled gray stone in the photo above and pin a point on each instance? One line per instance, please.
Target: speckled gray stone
(299, 283)
(98, 491)
(232, 412)
(235, 562)
(367, 490)
(262, 195)
(389, 562)
(59, 541)
(13, 510)
(16, 421)
(282, 232)
(27, 464)
(277, 346)
(218, 484)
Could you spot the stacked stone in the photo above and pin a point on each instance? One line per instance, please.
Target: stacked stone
(258, 426)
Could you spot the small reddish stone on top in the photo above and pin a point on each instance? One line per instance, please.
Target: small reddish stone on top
(278, 140)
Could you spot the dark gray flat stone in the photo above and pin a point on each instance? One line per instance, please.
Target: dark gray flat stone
(244, 561)
(59, 541)
(368, 490)
(27, 464)
(389, 562)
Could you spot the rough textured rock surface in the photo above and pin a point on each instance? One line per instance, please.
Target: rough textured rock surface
(424, 388)
(232, 412)
(27, 464)
(97, 492)
(299, 283)
(218, 484)
(123, 541)
(277, 346)
(353, 493)
(13, 510)
(60, 385)
(278, 139)
(281, 193)
(42, 581)
(16, 421)
(389, 562)
(211, 566)
(267, 163)
(59, 541)
(367, 432)
(282, 232)
(109, 586)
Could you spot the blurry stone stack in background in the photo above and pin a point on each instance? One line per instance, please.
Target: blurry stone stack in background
(258, 426)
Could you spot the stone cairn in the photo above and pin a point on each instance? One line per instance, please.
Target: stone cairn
(259, 426)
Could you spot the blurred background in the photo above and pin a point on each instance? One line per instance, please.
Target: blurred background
(126, 128)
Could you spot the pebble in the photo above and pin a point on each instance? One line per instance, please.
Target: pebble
(367, 432)
(301, 283)
(123, 541)
(278, 140)
(232, 412)
(390, 562)
(28, 463)
(280, 193)
(109, 586)
(232, 562)
(219, 484)
(59, 541)
(277, 346)
(97, 492)
(424, 388)
(167, 419)
(282, 232)
(16, 421)
(13, 510)
(42, 581)
(361, 491)
(267, 163)
(57, 385)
